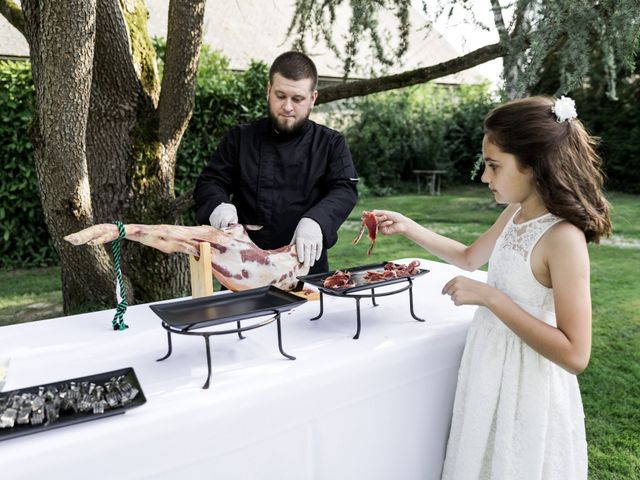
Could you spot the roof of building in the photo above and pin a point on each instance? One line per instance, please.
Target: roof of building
(257, 29)
(12, 42)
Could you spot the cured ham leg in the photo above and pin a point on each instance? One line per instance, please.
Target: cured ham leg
(369, 221)
(237, 262)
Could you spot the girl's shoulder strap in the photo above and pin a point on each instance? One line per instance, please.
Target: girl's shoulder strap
(536, 228)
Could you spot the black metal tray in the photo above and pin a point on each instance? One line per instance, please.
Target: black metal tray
(71, 418)
(357, 275)
(229, 307)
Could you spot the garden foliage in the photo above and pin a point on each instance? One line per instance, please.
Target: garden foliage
(23, 232)
(428, 127)
(389, 134)
(617, 124)
(223, 99)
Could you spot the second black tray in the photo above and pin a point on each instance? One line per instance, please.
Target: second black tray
(229, 307)
(357, 275)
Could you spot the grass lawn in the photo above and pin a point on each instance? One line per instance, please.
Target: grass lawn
(610, 385)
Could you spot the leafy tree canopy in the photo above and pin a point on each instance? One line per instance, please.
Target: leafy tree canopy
(532, 34)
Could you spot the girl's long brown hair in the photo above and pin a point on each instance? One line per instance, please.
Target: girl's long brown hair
(565, 165)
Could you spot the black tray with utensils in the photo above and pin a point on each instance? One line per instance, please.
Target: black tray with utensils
(68, 415)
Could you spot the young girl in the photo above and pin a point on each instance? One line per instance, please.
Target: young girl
(518, 412)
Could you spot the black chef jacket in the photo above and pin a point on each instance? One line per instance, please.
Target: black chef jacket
(276, 179)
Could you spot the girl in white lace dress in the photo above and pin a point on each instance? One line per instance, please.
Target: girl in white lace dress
(517, 413)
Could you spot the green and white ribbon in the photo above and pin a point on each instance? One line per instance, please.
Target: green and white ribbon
(121, 294)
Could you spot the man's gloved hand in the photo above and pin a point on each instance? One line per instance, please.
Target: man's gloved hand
(308, 240)
(223, 215)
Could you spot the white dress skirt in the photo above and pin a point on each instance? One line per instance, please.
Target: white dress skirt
(516, 414)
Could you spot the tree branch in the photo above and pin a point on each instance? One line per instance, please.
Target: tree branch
(498, 20)
(519, 22)
(13, 13)
(184, 39)
(413, 77)
(180, 205)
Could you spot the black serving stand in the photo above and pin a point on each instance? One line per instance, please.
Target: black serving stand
(357, 276)
(184, 317)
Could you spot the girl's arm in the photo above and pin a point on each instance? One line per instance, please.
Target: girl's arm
(564, 251)
(451, 251)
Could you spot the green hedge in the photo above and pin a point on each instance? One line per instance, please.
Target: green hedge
(617, 123)
(420, 128)
(25, 239)
(223, 99)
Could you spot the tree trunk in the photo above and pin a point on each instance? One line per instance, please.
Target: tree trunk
(100, 153)
(62, 68)
(123, 152)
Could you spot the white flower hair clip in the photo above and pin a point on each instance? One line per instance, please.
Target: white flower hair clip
(564, 109)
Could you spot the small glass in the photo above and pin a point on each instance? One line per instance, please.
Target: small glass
(4, 370)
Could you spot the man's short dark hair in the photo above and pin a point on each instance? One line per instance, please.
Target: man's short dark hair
(294, 66)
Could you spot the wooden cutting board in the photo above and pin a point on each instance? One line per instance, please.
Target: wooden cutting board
(310, 295)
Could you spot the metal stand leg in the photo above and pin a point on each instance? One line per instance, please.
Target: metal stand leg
(239, 333)
(291, 357)
(206, 341)
(411, 303)
(373, 297)
(169, 352)
(357, 335)
(321, 307)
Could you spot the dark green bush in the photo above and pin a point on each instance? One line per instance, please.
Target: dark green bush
(617, 123)
(25, 239)
(419, 128)
(223, 99)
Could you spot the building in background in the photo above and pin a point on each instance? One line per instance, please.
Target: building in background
(257, 29)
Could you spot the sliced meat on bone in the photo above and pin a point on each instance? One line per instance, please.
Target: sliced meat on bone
(237, 262)
(369, 222)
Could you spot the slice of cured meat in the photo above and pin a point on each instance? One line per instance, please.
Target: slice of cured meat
(339, 279)
(392, 270)
(371, 224)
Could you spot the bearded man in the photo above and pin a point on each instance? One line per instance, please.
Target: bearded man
(289, 175)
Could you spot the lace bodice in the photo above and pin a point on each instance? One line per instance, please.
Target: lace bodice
(510, 262)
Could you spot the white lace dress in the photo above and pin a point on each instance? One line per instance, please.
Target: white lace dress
(516, 414)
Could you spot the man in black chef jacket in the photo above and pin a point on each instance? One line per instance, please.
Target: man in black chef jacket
(286, 173)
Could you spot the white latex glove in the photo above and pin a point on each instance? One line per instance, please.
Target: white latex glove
(223, 215)
(308, 240)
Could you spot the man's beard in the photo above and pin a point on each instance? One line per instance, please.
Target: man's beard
(281, 126)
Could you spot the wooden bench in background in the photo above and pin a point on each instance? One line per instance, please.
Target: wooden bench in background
(433, 179)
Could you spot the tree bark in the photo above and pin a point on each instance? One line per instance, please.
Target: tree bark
(122, 147)
(413, 77)
(62, 68)
(103, 149)
(181, 68)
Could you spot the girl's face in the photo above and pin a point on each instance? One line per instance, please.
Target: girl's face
(505, 179)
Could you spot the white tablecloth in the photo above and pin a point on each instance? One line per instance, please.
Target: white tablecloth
(374, 408)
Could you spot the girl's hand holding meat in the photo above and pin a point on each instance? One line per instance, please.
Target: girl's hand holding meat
(392, 223)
